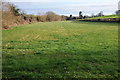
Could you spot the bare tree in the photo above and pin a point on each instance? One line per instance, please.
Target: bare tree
(80, 15)
(70, 17)
(100, 14)
(51, 16)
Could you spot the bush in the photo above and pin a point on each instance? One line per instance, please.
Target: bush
(51, 16)
(43, 18)
(11, 16)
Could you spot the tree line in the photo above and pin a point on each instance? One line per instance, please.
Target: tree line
(81, 16)
(13, 16)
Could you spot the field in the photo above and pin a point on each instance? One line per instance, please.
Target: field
(61, 49)
(106, 16)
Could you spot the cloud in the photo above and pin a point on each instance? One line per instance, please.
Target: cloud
(89, 1)
(67, 7)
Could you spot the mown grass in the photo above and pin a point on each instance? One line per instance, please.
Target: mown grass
(106, 16)
(61, 50)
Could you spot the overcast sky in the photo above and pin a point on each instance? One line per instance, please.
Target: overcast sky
(67, 7)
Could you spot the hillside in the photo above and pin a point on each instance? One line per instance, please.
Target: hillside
(106, 16)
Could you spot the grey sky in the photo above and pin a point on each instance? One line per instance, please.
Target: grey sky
(67, 7)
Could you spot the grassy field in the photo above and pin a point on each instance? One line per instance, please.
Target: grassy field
(106, 16)
(61, 50)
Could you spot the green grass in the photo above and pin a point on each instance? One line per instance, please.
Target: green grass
(106, 16)
(61, 50)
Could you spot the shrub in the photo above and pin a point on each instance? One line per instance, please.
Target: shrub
(51, 16)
